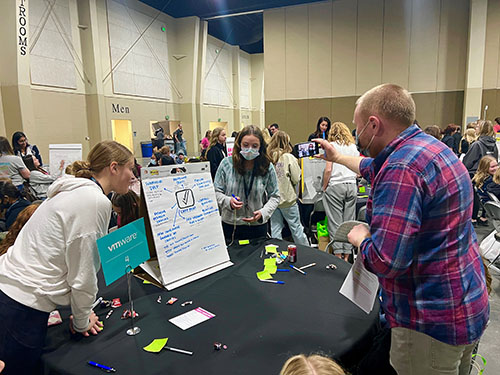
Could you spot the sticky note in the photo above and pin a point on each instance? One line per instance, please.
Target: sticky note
(264, 275)
(244, 242)
(362, 189)
(156, 345)
(285, 253)
(270, 265)
(271, 249)
(146, 282)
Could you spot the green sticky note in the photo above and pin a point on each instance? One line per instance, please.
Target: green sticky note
(264, 275)
(271, 249)
(244, 242)
(362, 189)
(156, 345)
(146, 282)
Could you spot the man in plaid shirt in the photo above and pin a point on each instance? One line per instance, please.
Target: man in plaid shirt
(421, 243)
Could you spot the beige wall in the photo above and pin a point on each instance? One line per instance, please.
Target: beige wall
(491, 78)
(339, 49)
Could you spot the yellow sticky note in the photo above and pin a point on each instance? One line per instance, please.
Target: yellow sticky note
(271, 249)
(244, 242)
(285, 253)
(270, 265)
(156, 345)
(146, 282)
(264, 275)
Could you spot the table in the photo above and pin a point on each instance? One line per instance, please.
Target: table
(262, 324)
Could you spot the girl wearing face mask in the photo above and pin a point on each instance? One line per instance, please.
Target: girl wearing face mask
(155, 159)
(322, 129)
(247, 187)
(217, 149)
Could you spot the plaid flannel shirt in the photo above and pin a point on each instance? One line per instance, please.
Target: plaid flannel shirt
(423, 247)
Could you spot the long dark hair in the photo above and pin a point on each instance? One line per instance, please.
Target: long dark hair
(30, 164)
(319, 133)
(15, 138)
(261, 162)
(5, 148)
(129, 205)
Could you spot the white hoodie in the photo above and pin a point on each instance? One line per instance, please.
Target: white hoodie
(54, 260)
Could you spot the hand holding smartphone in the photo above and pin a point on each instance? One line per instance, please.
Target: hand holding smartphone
(306, 149)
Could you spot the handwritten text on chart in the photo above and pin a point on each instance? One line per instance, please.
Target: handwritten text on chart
(179, 201)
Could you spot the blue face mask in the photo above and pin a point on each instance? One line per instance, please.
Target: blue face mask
(153, 161)
(249, 153)
(364, 150)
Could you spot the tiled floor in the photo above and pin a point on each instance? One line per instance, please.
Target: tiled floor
(489, 346)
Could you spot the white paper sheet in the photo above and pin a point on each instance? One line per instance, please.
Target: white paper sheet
(191, 318)
(360, 286)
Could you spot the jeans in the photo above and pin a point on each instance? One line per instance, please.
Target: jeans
(292, 217)
(22, 335)
(415, 353)
(180, 146)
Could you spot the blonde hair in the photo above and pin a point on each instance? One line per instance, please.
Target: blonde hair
(388, 101)
(279, 145)
(482, 172)
(496, 177)
(486, 128)
(340, 133)
(165, 150)
(470, 136)
(214, 138)
(100, 157)
(311, 365)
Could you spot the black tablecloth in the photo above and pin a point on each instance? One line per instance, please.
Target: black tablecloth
(261, 323)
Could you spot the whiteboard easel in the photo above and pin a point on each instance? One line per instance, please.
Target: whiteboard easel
(185, 229)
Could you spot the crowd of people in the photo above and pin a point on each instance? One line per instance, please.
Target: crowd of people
(427, 188)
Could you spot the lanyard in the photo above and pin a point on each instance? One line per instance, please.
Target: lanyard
(248, 189)
(98, 184)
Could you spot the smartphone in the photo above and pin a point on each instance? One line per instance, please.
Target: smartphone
(306, 149)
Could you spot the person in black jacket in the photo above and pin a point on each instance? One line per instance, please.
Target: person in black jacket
(448, 136)
(216, 152)
(485, 145)
(13, 197)
(322, 129)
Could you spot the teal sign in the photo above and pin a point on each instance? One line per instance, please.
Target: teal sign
(122, 250)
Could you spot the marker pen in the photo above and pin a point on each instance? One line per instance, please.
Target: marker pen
(102, 367)
(272, 281)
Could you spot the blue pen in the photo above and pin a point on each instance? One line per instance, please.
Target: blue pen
(102, 367)
(272, 281)
(297, 269)
(282, 270)
(235, 197)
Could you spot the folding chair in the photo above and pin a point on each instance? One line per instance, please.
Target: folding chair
(341, 234)
(493, 211)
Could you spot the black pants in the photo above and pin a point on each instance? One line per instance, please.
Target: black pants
(476, 206)
(244, 232)
(22, 334)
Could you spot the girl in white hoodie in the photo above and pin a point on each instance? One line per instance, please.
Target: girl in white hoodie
(54, 259)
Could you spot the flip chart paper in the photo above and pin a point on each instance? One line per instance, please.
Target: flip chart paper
(185, 223)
